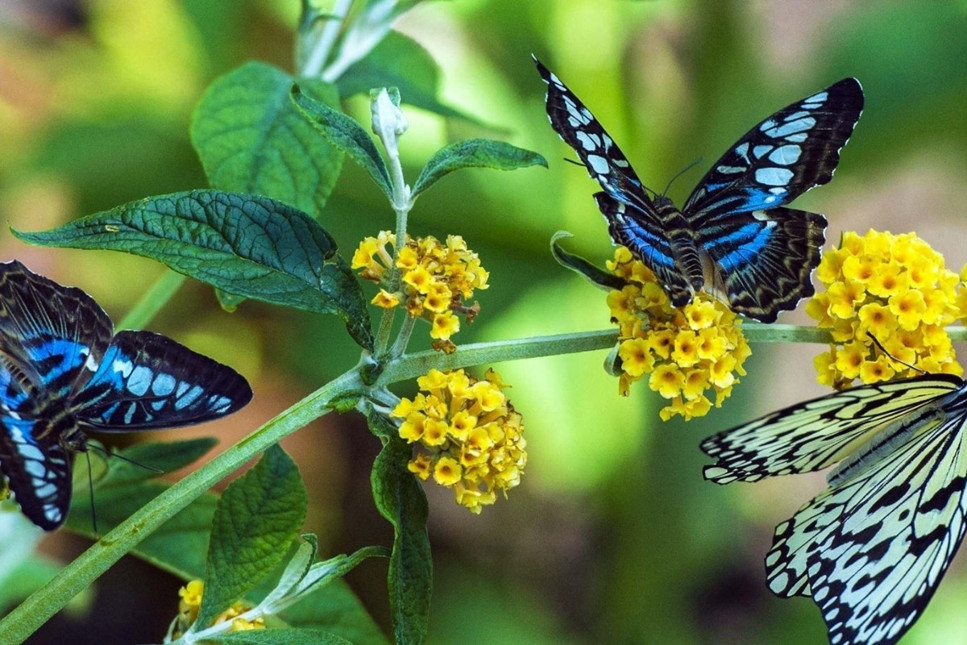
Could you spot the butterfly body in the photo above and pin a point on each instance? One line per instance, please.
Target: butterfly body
(870, 549)
(733, 238)
(63, 370)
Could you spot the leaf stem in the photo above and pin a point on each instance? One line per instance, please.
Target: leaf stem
(320, 53)
(153, 301)
(79, 574)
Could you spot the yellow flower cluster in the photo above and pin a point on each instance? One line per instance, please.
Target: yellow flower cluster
(190, 602)
(896, 288)
(434, 279)
(686, 351)
(469, 437)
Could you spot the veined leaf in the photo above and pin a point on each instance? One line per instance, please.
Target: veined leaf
(251, 139)
(401, 500)
(344, 132)
(256, 520)
(246, 245)
(475, 153)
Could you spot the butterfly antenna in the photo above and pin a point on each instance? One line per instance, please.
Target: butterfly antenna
(90, 488)
(108, 453)
(679, 174)
(891, 356)
(576, 163)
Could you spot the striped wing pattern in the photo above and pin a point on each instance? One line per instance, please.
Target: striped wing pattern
(732, 239)
(62, 369)
(872, 548)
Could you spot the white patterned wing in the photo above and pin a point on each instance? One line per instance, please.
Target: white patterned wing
(818, 433)
(872, 548)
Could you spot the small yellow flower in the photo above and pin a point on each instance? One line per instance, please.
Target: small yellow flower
(447, 471)
(420, 466)
(470, 439)
(667, 380)
(896, 288)
(385, 299)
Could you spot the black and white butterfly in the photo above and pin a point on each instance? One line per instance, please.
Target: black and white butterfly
(734, 238)
(871, 549)
(63, 370)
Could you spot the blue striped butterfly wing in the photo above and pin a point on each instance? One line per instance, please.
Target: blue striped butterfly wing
(59, 367)
(872, 548)
(658, 235)
(148, 381)
(50, 339)
(763, 255)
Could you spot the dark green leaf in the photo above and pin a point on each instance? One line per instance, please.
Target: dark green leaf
(401, 500)
(581, 266)
(247, 245)
(279, 637)
(257, 518)
(399, 61)
(475, 153)
(251, 139)
(148, 460)
(345, 133)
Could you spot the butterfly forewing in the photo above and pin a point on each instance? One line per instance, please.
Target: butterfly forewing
(50, 334)
(790, 152)
(816, 434)
(872, 548)
(148, 381)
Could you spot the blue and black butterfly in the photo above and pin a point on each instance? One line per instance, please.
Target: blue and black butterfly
(734, 238)
(64, 370)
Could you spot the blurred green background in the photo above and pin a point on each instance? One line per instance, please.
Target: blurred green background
(613, 536)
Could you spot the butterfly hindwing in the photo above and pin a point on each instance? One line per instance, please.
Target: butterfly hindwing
(795, 149)
(149, 381)
(871, 549)
(763, 259)
(672, 264)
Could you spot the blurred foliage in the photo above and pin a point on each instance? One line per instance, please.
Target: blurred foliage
(615, 537)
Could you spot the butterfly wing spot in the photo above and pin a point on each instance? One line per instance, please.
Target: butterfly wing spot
(785, 155)
(772, 176)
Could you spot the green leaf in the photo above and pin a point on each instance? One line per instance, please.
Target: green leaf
(178, 546)
(247, 245)
(279, 637)
(335, 608)
(475, 153)
(251, 139)
(345, 133)
(399, 61)
(257, 518)
(401, 500)
(147, 459)
(583, 267)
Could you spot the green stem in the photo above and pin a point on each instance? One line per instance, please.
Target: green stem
(153, 300)
(79, 574)
(413, 365)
